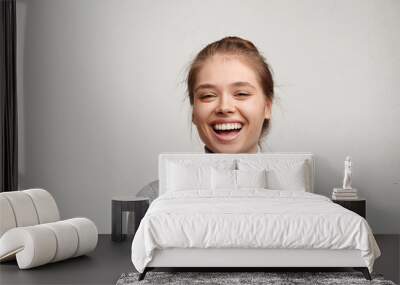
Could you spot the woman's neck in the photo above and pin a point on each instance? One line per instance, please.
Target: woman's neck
(207, 150)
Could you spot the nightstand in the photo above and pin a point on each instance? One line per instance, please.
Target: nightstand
(137, 205)
(358, 206)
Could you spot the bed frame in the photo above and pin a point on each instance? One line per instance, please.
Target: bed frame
(248, 259)
(236, 259)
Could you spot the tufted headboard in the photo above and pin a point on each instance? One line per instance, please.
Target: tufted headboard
(217, 158)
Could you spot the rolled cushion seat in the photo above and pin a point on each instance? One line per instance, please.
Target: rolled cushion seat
(23, 208)
(87, 235)
(45, 205)
(27, 208)
(7, 218)
(31, 230)
(40, 244)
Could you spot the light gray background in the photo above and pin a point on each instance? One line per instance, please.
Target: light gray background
(101, 92)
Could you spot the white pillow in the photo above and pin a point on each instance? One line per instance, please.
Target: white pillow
(292, 178)
(223, 179)
(236, 179)
(251, 178)
(282, 174)
(184, 177)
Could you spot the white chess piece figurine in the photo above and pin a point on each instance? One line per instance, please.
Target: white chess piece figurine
(347, 173)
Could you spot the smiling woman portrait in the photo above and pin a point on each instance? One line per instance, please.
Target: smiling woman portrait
(231, 91)
(230, 88)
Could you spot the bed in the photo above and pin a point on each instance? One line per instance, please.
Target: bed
(246, 211)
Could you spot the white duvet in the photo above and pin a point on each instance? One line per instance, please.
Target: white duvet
(251, 218)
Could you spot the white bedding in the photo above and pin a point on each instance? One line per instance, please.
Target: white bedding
(250, 218)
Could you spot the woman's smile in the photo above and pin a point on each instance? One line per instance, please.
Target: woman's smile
(226, 131)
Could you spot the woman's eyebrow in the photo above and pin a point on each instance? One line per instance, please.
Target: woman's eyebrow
(205, 86)
(242, 84)
(235, 84)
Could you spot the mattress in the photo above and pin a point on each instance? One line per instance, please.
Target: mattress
(253, 218)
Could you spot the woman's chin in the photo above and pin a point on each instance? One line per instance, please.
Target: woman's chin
(225, 148)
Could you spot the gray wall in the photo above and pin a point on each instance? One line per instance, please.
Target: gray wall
(101, 92)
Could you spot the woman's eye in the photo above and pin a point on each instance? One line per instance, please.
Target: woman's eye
(206, 96)
(242, 94)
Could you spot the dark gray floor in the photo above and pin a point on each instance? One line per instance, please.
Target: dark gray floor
(103, 266)
(111, 259)
(389, 262)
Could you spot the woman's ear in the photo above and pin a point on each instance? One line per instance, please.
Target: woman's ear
(267, 110)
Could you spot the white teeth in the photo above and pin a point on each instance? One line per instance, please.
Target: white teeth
(230, 126)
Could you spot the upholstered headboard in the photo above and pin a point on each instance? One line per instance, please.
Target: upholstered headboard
(216, 158)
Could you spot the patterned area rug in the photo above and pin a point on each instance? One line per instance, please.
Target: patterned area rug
(229, 278)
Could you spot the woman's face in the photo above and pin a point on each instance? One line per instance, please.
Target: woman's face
(229, 106)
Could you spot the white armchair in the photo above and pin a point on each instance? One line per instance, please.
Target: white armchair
(31, 230)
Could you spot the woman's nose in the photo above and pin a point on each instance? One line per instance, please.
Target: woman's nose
(225, 105)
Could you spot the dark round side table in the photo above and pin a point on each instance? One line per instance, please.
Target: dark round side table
(120, 204)
(358, 205)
